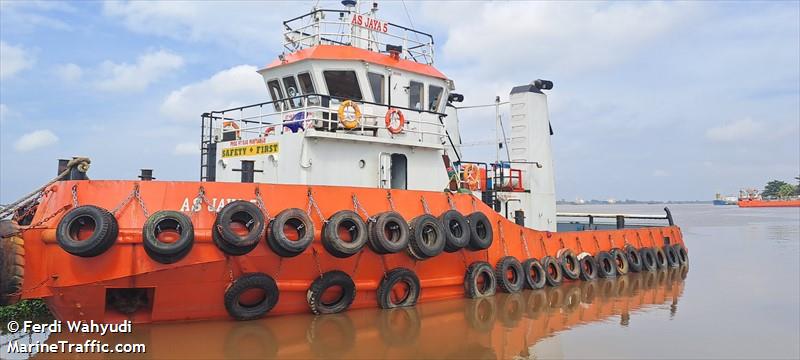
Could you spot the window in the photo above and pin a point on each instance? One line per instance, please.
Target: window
(292, 92)
(342, 84)
(434, 97)
(276, 93)
(308, 88)
(376, 84)
(415, 95)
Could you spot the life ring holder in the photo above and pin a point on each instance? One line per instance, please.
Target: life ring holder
(233, 125)
(400, 117)
(472, 176)
(353, 123)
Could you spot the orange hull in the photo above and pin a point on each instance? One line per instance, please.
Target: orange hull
(769, 203)
(192, 288)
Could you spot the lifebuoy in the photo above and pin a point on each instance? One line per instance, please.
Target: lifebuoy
(349, 122)
(390, 121)
(472, 176)
(226, 125)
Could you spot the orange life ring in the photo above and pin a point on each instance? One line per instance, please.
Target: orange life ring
(401, 121)
(234, 125)
(353, 121)
(472, 175)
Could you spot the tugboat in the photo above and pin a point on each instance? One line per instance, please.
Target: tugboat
(346, 190)
(749, 198)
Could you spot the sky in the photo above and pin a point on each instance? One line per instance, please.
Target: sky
(652, 100)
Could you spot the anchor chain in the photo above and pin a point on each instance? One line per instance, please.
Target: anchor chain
(75, 195)
(46, 219)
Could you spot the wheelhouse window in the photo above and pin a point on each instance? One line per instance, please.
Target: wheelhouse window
(376, 84)
(434, 97)
(292, 92)
(307, 86)
(415, 95)
(343, 84)
(276, 93)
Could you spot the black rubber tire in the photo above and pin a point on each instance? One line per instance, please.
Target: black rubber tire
(325, 281)
(245, 213)
(389, 233)
(12, 269)
(353, 224)
(168, 253)
(648, 259)
(534, 274)
(569, 264)
(672, 256)
(505, 265)
(427, 238)
(280, 243)
(661, 258)
(103, 237)
(552, 271)
(456, 230)
(246, 282)
(480, 231)
(588, 267)
(606, 266)
(683, 256)
(634, 259)
(392, 278)
(475, 272)
(621, 260)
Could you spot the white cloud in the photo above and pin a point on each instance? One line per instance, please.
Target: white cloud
(733, 131)
(186, 148)
(68, 72)
(34, 140)
(14, 59)
(237, 86)
(148, 69)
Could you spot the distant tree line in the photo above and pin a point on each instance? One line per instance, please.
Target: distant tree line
(781, 189)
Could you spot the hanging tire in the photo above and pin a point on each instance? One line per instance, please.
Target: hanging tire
(509, 274)
(588, 267)
(606, 266)
(552, 271)
(569, 264)
(321, 304)
(345, 234)
(290, 233)
(456, 230)
(621, 260)
(480, 230)
(534, 274)
(251, 281)
(683, 256)
(238, 227)
(389, 298)
(648, 259)
(87, 231)
(427, 238)
(388, 234)
(479, 280)
(634, 258)
(164, 226)
(672, 256)
(12, 269)
(661, 258)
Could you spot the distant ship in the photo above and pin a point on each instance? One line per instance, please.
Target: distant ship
(752, 198)
(725, 200)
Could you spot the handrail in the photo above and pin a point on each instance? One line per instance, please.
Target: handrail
(621, 217)
(322, 97)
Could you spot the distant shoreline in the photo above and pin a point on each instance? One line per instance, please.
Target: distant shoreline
(632, 202)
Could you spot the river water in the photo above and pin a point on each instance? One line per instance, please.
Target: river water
(739, 298)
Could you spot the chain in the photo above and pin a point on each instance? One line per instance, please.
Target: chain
(124, 202)
(389, 197)
(464, 257)
(358, 262)
(357, 206)
(280, 266)
(34, 205)
(201, 194)
(502, 238)
(474, 204)
(260, 204)
(75, 195)
(611, 240)
(639, 239)
(46, 219)
(652, 239)
(597, 242)
(450, 201)
(20, 292)
(141, 201)
(561, 241)
(580, 246)
(316, 260)
(425, 205)
(134, 194)
(624, 239)
(544, 246)
(312, 203)
(230, 268)
(524, 243)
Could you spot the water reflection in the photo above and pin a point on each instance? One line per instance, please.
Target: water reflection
(503, 326)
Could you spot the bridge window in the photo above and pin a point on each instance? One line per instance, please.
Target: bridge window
(434, 97)
(292, 92)
(276, 93)
(307, 86)
(343, 84)
(376, 83)
(415, 95)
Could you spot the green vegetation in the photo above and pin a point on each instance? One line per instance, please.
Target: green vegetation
(781, 189)
(24, 310)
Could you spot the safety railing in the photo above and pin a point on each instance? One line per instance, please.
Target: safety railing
(313, 29)
(620, 218)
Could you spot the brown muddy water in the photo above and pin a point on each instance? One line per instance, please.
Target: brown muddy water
(739, 298)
